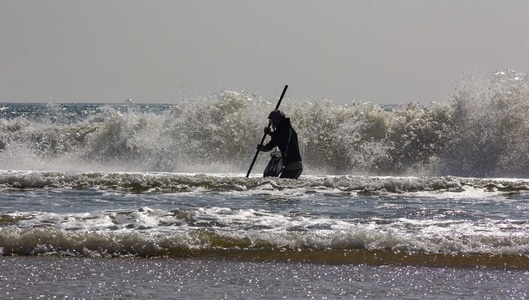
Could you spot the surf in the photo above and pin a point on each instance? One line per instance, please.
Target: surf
(481, 132)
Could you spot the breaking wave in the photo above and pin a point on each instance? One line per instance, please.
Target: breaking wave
(482, 132)
(174, 183)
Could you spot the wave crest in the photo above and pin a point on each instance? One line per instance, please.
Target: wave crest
(482, 132)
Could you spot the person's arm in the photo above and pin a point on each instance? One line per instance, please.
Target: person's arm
(271, 144)
(265, 148)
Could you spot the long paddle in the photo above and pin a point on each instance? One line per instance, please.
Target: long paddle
(264, 136)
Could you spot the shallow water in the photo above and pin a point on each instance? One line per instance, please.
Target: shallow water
(98, 278)
(188, 236)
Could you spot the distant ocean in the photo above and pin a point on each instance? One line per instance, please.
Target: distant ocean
(150, 201)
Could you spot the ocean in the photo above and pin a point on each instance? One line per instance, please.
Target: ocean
(151, 201)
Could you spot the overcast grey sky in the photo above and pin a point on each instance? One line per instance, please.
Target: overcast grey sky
(383, 51)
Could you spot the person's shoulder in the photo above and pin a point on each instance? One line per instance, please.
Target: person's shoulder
(286, 122)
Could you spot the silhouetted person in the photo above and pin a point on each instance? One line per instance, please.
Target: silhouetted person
(286, 139)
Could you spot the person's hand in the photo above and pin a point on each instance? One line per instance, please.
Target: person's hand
(267, 130)
(259, 147)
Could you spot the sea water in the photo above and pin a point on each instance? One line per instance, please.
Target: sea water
(134, 201)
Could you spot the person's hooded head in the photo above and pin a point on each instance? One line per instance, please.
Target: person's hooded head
(276, 116)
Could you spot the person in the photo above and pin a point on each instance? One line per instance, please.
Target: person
(286, 139)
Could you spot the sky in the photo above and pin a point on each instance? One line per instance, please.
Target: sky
(383, 51)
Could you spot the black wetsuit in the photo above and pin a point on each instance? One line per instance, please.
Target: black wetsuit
(286, 139)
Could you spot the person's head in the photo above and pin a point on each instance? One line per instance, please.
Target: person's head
(276, 116)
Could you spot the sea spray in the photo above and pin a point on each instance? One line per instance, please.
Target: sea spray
(490, 129)
(482, 131)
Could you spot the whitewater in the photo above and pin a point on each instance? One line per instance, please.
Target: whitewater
(150, 201)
